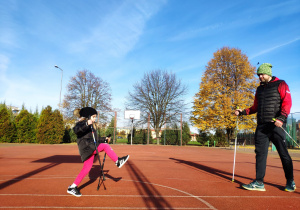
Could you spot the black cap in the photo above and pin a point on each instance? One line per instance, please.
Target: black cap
(87, 112)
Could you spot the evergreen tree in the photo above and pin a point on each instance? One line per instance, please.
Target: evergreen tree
(7, 128)
(50, 128)
(2, 105)
(69, 135)
(110, 129)
(186, 133)
(26, 127)
(36, 113)
(171, 136)
(140, 137)
(220, 137)
(58, 126)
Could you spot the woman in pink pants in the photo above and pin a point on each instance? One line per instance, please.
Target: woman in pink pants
(86, 146)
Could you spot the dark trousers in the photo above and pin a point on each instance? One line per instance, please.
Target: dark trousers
(263, 135)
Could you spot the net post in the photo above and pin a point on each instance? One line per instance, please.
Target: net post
(115, 125)
(148, 128)
(131, 117)
(181, 129)
(165, 129)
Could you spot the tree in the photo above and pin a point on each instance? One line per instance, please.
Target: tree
(140, 136)
(171, 135)
(186, 133)
(26, 127)
(50, 127)
(7, 128)
(110, 129)
(58, 126)
(85, 89)
(228, 82)
(203, 137)
(36, 113)
(159, 94)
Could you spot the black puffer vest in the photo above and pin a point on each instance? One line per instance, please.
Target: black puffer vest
(269, 101)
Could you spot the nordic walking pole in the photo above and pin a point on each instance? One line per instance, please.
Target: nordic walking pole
(235, 142)
(102, 172)
(287, 134)
(103, 177)
(103, 167)
(96, 149)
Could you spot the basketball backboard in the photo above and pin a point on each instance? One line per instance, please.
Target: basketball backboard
(132, 114)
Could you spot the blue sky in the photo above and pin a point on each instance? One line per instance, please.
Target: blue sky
(121, 40)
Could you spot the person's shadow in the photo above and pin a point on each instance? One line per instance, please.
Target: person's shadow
(95, 174)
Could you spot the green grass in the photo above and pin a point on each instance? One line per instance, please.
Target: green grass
(124, 141)
(121, 141)
(193, 143)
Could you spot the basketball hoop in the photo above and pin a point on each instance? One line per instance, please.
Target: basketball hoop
(132, 115)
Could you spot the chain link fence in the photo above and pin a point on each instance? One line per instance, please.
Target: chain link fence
(127, 131)
(292, 127)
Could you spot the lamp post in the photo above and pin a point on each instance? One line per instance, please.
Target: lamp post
(60, 84)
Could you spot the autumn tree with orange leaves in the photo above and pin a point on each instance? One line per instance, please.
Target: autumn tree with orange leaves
(228, 82)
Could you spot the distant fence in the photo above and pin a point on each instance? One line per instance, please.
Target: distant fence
(292, 127)
(143, 130)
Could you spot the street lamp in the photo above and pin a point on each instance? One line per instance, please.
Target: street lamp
(60, 84)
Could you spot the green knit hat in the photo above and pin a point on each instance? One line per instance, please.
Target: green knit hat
(265, 68)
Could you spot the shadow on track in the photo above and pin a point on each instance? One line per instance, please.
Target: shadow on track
(220, 173)
(144, 187)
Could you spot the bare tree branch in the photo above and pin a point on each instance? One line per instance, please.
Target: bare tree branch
(160, 94)
(85, 89)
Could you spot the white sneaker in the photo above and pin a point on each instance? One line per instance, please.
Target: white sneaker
(121, 161)
(74, 191)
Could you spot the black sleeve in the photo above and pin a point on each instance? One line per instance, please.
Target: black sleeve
(81, 128)
(243, 112)
(102, 140)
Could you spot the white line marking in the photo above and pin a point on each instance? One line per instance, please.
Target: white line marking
(191, 195)
(151, 196)
(84, 207)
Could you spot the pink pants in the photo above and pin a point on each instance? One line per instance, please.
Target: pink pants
(87, 165)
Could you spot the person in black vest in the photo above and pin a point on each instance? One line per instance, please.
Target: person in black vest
(272, 101)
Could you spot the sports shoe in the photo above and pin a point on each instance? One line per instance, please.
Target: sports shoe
(290, 186)
(74, 191)
(121, 161)
(254, 186)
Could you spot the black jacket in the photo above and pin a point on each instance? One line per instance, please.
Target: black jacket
(85, 140)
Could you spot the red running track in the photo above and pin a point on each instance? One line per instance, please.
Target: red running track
(155, 177)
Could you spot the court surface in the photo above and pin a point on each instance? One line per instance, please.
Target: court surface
(155, 177)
